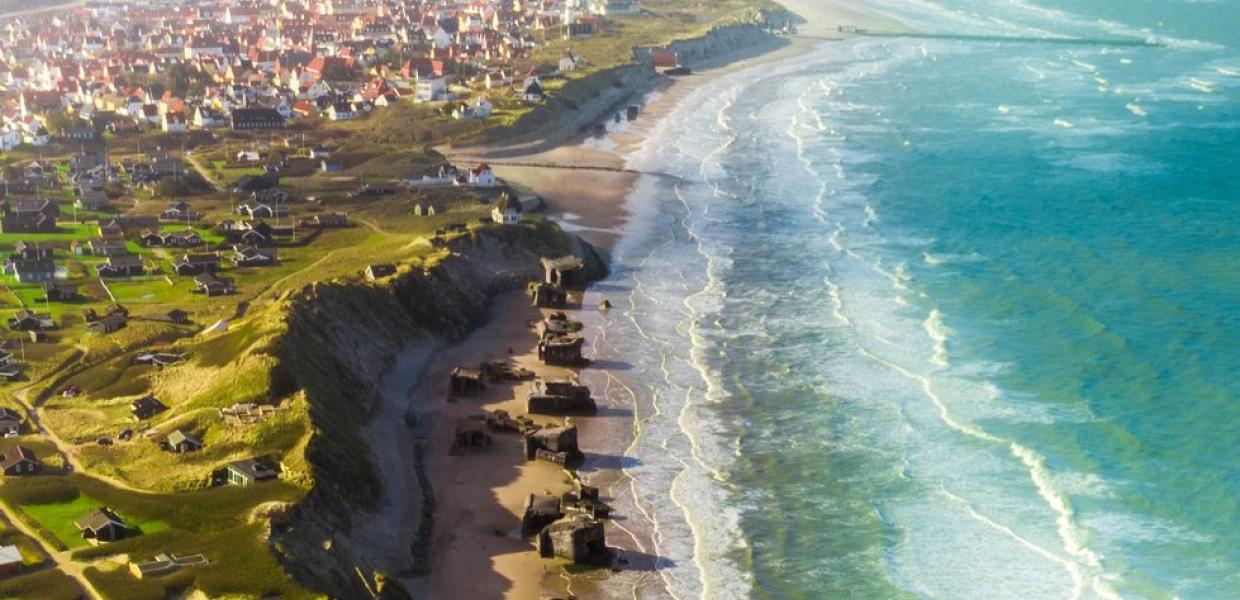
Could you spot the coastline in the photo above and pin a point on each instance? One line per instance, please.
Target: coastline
(481, 495)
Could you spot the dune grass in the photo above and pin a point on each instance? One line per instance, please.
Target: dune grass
(215, 522)
(50, 584)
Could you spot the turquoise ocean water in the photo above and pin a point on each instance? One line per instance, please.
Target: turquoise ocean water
(943, 318)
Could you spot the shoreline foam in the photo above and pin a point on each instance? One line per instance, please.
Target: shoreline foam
(601, 207)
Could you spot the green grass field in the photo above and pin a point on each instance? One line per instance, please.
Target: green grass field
(32, 554)
(58, 518)
(66, 232)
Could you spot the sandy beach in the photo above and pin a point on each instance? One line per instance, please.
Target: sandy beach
(478, 550)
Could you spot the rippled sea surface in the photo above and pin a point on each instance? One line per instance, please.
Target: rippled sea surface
(939, 317)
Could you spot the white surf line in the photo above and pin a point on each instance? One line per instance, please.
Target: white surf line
(1033, 462)
(1073, 569)
(938, 334)
(792, 132)
(691, 326)
(657, 410)
(611, 384)
(695, 450)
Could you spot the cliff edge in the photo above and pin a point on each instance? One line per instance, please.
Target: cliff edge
(341, 339)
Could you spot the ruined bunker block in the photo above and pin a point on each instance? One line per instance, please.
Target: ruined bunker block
(560, 397)
(540, 511)
(546, 295)
(555, 445)
(566, 271)
(577, 538)
(562, 350)
(471, 432)
(465, 382)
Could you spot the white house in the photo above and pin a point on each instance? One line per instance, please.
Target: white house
(481, 108)
(341, 111)
(174, 122)
(10, 139)
(533, 90)
(317, 90)
(442, 39)
(430, 89)
(568, 62)
(507, 211)
(615, 7)
(37, 137)
(206, 118)
(482, 176)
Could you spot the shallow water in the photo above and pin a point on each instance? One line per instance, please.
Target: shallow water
(936, 318)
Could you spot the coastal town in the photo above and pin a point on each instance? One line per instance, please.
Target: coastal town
(183, 181)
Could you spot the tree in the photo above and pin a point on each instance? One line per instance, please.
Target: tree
(173, 187)
(60, 120)
(184, 80)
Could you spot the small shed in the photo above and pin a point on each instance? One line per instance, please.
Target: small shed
(109, 324)
(146, 407)
(10, 561)
(181, 442)
(248, 472)
(664, 59)
(10, 421)
(379, 271)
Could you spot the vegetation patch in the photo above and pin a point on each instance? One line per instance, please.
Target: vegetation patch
(49, 584)
(58, 519)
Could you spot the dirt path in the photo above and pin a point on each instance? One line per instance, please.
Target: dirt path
(63, 559)
(192, 159)
(68, 451)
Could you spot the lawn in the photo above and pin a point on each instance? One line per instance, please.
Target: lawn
(154, 290)
(214, 522)
(65, 232)
(58, 519)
